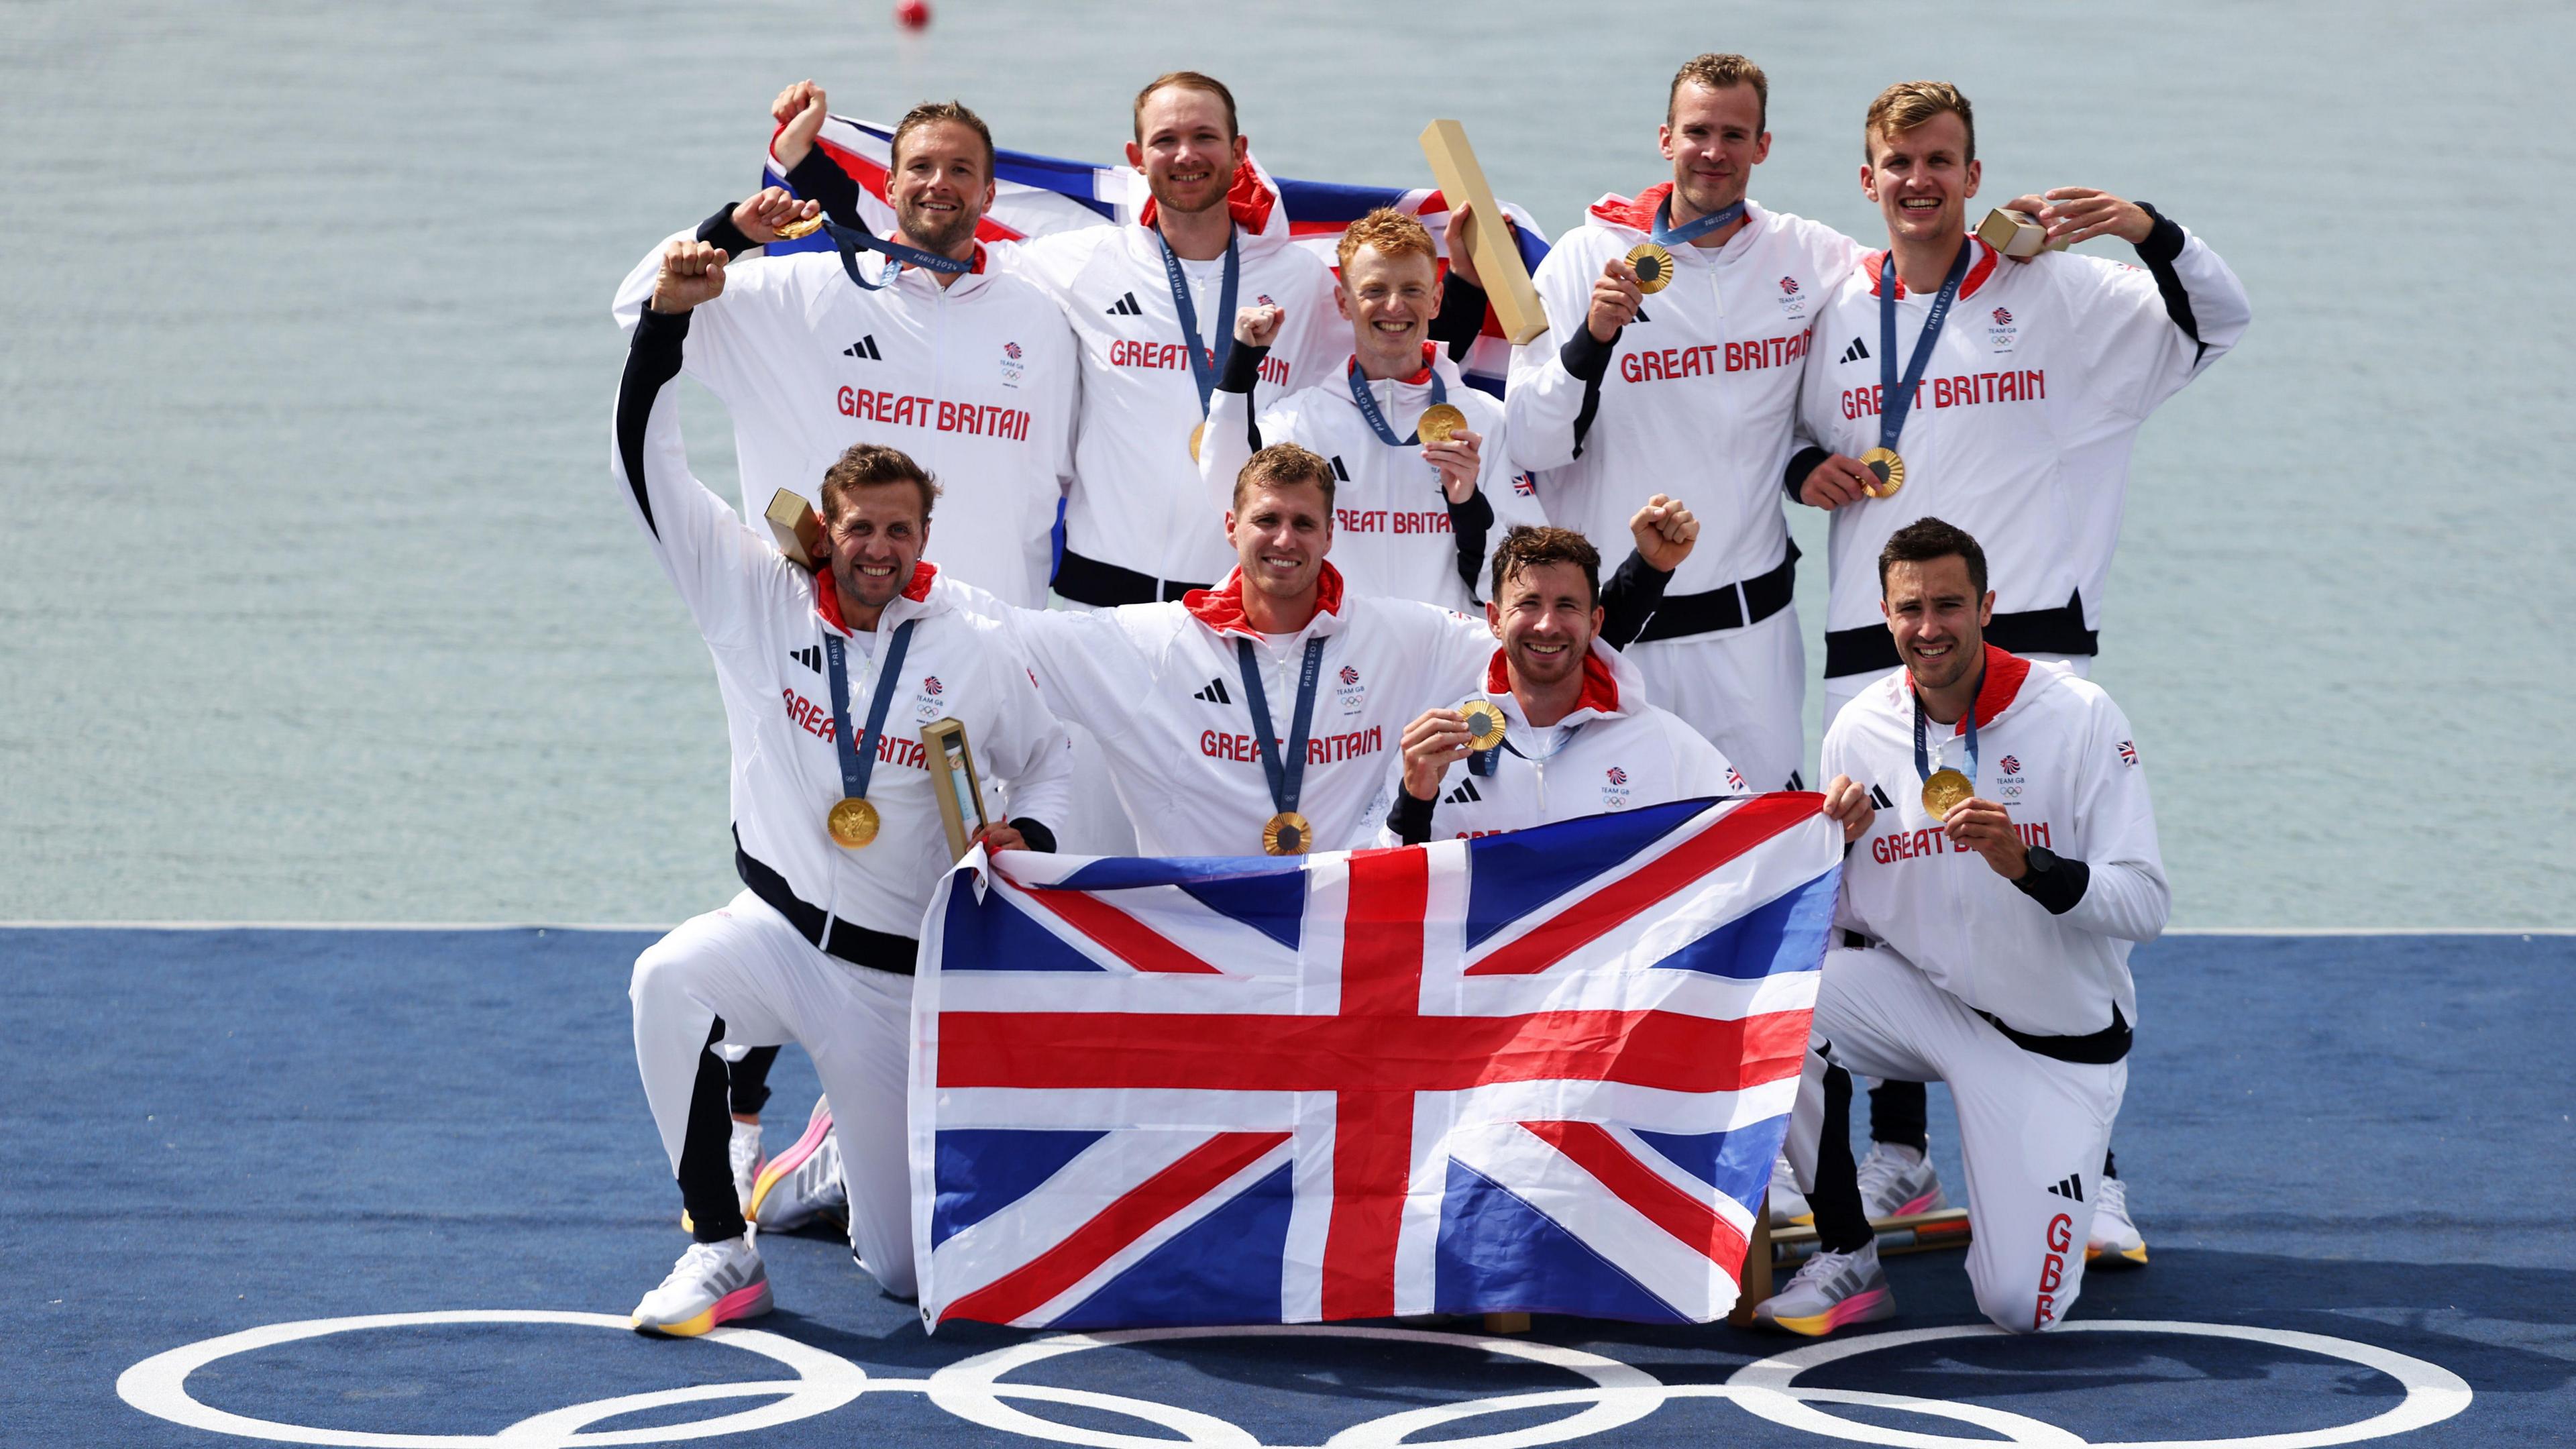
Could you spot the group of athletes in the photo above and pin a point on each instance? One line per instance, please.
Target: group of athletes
(1307, 570)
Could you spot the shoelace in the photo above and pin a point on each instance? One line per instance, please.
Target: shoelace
(1879, 1172)
(1820, 1268)
(698, 1262)
(2113, 1198)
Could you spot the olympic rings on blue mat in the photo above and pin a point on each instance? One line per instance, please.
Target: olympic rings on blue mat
(972, 1389)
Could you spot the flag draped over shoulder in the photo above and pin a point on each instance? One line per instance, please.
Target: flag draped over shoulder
(1540, 1071)
(1037, 195)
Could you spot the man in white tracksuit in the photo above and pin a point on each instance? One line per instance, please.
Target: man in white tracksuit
(1692, 390)
(2026, 400)
(1987, 921)
(1412, 519)
(1579, 738)
(1261, 715)
(2014, 421)
(970, 371)
(1152, 307)
(827, 679)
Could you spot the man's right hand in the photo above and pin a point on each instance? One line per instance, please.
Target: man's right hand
(1836, 481)
(1431, 745)
(1256, 326)
(761, 216)
(692, 272)
(1615, 300)
(800, 109)
(1847, 805)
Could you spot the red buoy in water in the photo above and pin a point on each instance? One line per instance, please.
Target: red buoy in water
(912, 14)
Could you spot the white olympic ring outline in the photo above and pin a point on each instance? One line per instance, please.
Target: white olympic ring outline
(971, 1389)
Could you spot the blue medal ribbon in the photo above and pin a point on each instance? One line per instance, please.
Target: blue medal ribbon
(1288, 779)
(1669, 236)
(853, 240)
(859, 757)
(1367, 401)
(1203, 370)
(1897, 399)
(1922, 756)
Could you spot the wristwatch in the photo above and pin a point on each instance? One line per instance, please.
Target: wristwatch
(2042, 860)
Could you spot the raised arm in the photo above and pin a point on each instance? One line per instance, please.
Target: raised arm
(722, 570)
(1555, 385)
(1233, 423)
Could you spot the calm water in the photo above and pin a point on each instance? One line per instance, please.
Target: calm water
(316, 603)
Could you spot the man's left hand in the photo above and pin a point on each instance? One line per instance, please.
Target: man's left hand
(760, 217)
(1000, 837)
(1458, 460)
(1665, 532)
(1462, 243)
(1982, 826)
(2079, 213)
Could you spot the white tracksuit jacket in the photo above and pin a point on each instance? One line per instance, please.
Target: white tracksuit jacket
(2021, 429)
(764, 620)
(1699, 394)
(1137, 503)
(1162, 688)
(2059, 756)
(1613, 752)
(977, 382)
(1395, 534)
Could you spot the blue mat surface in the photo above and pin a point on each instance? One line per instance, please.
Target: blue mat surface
(2352, 1158)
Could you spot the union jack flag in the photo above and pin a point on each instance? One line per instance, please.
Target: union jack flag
(1540, 1071)
(2128, 753)
(1035, 195)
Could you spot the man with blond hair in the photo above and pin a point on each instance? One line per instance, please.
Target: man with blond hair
(1417, 506)
(1626, 394)
(2013, 419)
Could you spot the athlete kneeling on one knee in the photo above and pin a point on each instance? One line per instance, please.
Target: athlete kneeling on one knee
(1986, 925)
(827, 678)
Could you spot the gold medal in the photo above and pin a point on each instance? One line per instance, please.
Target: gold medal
(1287, 833)
(1196, 434)
(1439, 423)
(1887, 467)
(1944, 790)
(1653, 266)
(1484, 723)
(853, 823)
(799, 230)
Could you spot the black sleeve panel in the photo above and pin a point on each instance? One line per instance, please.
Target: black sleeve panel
(1462, 315)
(1410, 819)
(1629, 600)
(1590, 361)
(652, 360)
(1035, 833)
(2164, 243)
(816, 178)
(1242, 367)
(2058, 888)
(1470, 523)
(1802, 463)
(720, 229)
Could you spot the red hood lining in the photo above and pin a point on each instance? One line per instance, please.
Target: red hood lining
(1600, 687)
(827, 595)
(1978, 271)
(2005, 675)
(1246, 199)
(1418, 379)
(1221, 608)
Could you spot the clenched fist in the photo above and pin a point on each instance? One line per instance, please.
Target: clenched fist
(692, 272)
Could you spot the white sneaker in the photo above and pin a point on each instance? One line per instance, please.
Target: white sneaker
(2114, 1238)
(803, 1182)
(712, 1283)
(1788, 1205)
(1897, 1180)
(1830, 1290)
